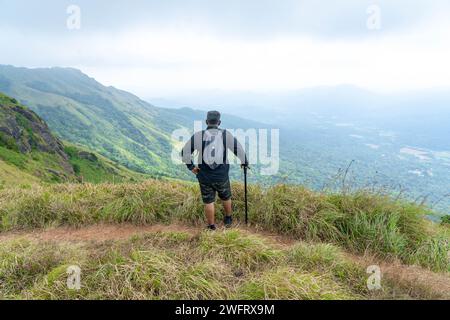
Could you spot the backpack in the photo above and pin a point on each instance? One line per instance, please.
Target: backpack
(214, 148)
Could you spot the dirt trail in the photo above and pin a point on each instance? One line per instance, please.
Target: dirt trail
(418, 279)
(104, 232)
(96, 233)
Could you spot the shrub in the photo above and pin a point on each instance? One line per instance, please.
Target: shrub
(289, 284)
(329, 259)
(445, 220)
(242, 251)
(8, 142)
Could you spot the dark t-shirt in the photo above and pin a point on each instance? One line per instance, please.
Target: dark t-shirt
(219, 172)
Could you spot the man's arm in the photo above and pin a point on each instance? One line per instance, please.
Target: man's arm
(236, 147)
(188, 150)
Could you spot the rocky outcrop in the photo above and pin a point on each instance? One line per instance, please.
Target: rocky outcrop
(24, 131)
(87, 156)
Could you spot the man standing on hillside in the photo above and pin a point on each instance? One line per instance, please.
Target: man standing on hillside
(213, 167)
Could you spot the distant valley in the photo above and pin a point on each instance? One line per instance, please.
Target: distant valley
(398, 141)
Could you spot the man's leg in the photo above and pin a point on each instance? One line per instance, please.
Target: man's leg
(210, 214)
(209, 197)
(228, 219)
(228, 208)
(224, 190)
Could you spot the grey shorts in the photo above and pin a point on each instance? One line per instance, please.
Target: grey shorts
(209, 190)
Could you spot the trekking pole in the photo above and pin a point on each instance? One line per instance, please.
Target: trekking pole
(245, 194)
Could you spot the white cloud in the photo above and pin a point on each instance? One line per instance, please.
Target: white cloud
(151, 60)
(184, 61)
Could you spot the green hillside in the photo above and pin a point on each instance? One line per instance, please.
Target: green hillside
(80, 110)
(28, 146)
(30, 153)
(94, 168)
(11, 175)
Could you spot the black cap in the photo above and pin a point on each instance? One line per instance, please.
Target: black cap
(213, 117)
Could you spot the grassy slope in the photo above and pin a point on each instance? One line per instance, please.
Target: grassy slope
(98, 169)
(11, 175)
(17, 168)
(221, 265)
(33, 165)
(36, 166)
(41, 155)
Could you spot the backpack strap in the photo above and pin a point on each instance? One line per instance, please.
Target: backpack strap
(224, 138)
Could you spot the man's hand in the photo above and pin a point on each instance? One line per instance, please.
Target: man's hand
(196, 170)
(244, 165)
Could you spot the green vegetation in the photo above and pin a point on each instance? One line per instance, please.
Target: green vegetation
(361, 222)
(289, 284)
(8, 142)
(446, 219)
(44, 167)
(328, 258)
(92, 168)
(14, 158)
(243, 253)
(23, 130)
(27, 148)
(27, 144)
(12, 176)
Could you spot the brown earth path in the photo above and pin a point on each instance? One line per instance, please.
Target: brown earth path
(96, 233)
(104, 232)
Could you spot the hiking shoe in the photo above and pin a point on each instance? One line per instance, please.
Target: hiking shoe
(228, 221)
(211, 227)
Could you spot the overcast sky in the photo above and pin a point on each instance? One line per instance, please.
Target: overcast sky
(158, 48)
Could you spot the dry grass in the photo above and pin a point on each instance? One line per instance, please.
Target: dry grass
(230, 264)
(360, 222)
(138, 241)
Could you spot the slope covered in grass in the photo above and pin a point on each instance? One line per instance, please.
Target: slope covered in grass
(360, 222)
(94, 168)
(11, 175)
(30, 153)
(27, 144)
